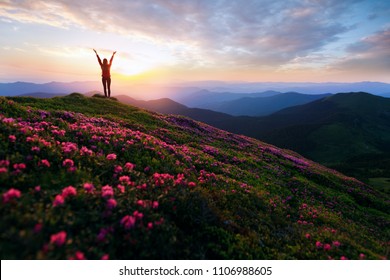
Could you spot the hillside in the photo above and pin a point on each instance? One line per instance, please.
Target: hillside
(346, 131)
(349, 131)
(93, 178)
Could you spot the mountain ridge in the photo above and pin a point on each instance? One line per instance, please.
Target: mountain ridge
(261, 106)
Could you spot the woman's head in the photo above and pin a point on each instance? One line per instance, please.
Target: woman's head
(105, 61)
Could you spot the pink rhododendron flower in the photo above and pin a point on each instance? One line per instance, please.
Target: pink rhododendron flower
(4, 163)
(111, 203)
(155, 204)
(142, 187)
(68, 163)
(8, 120)
(138, 215)
(35, 149)
(118, 169)
(85, 151)
(69, 191)
(343, 258)
(121, 188)
(88, 187)
(58, 200)
(11, 194)
(307, 235)
(129, 166)
(58, 239)
(124, 179)
(128, 222)
(336, 243)
(105, 257)
(327, 247)
(3, 170)
(103, 232)
(71, 169)
(107, 191)
(12, 138)
(141, 203)
(362, 256)
(111, 157)
(150, 225)
(19, 166)
(68, 147)
(37, 188)
(44, 163)
(319, 244)
(79, 256)
(191, 184)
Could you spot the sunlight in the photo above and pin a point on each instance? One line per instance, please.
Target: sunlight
(132, 67)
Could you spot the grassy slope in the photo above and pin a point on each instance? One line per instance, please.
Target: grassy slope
(195, 191)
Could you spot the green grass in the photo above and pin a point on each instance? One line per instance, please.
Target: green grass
(382, 184)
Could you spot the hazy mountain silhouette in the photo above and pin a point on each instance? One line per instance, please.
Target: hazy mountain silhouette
(262, 106)
(168, 106)
(208, 99)
(21, 88)
(302, 87)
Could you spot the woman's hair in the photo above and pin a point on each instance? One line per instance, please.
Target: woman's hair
(105, 61)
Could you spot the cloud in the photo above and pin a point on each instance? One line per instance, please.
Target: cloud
(234, 33)
(371, 53)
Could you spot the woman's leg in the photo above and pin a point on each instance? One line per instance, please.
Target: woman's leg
(104, 82)
(109, 86)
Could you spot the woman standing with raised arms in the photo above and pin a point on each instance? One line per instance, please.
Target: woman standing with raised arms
(106, 75)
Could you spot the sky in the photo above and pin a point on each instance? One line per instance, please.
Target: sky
(172, 41)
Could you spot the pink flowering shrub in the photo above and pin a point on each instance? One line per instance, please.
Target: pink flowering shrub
(58, 200)
(128, 221)
(107, 191)
(58, 239)
(111, 157)
(44, 163)
(11, 194)
(69, 191)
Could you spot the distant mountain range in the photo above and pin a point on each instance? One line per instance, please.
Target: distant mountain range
(205, 98)
(168, 106)
(262, 106)
(192, 93)
(377, 88)
(57, 88)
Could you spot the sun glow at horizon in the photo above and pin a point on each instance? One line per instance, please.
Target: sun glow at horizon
(131, 68)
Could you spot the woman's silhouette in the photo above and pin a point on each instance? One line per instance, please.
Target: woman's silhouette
(106, 76)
